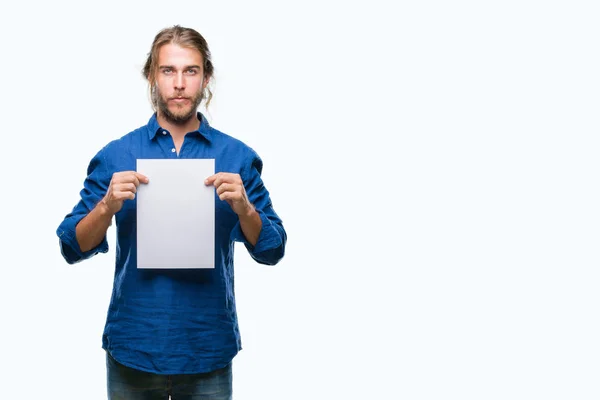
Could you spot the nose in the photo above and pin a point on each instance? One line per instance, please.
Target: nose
(179, 81)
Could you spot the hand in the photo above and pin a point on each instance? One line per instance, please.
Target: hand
(123, 186)
(230, 188)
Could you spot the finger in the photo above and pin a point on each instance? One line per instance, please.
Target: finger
(129, 187)
(226, 196)
(125, 177)
(120, 196)
(125, 187)
(130, 176)
(223, 178)
(234, 195)
(228, 177)
(224, 187)
(211, 179)
(141, 177)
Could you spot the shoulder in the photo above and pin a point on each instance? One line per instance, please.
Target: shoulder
(124, 141)
(127, 139)
(118, 149)
(237, 147)
(232, 143)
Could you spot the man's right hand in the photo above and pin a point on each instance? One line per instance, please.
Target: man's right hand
(123, 186)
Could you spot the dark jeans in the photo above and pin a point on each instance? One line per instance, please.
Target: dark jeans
(130, 384)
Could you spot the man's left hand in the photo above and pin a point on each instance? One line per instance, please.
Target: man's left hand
(230, 188)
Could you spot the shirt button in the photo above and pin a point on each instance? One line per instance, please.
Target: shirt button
(164, 132)
(173, 150)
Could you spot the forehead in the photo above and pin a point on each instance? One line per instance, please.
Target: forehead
(175, 55)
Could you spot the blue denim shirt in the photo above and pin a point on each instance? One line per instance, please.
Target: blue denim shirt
(174, 321)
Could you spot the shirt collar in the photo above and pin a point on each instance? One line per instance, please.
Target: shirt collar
(203, 130)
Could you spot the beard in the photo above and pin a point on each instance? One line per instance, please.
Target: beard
(180, 114)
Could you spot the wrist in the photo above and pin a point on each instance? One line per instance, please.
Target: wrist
(104, 209)
(249, 212)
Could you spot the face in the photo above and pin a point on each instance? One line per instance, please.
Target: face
(179, 83)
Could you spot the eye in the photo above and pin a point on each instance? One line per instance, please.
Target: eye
(167, 70)
(192, 71)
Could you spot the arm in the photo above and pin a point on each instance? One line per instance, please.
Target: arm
(230, 188)
(259, 227)
(251, 225)
(94, 187)
(82, 233)
(92, 228)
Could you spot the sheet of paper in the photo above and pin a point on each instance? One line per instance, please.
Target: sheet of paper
(176, 214)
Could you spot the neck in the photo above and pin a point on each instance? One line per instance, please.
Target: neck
(178, 130)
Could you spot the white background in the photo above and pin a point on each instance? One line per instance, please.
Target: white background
(435, 165)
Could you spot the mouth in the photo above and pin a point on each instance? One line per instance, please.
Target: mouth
(179, 99)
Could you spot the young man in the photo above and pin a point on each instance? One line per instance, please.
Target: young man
(173, 332)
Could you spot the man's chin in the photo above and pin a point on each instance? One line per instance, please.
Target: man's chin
(179, 116)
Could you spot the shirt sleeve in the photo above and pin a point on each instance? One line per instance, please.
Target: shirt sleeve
(94, 189)
(270, 247)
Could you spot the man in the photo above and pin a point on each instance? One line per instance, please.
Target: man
(173, 332)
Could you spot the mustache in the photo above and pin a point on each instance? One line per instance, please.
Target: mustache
(157, 97)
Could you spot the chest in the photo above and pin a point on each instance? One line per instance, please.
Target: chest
(225, 218)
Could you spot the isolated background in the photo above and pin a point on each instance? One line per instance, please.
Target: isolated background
(435, 165)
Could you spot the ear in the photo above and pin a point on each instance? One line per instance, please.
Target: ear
(206, 81)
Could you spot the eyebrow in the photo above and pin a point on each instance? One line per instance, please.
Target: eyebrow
(173, 67)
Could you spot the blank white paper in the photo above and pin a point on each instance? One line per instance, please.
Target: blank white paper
(176, 214)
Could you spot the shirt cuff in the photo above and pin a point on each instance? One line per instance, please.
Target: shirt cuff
(268, 239)
(69, 246)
